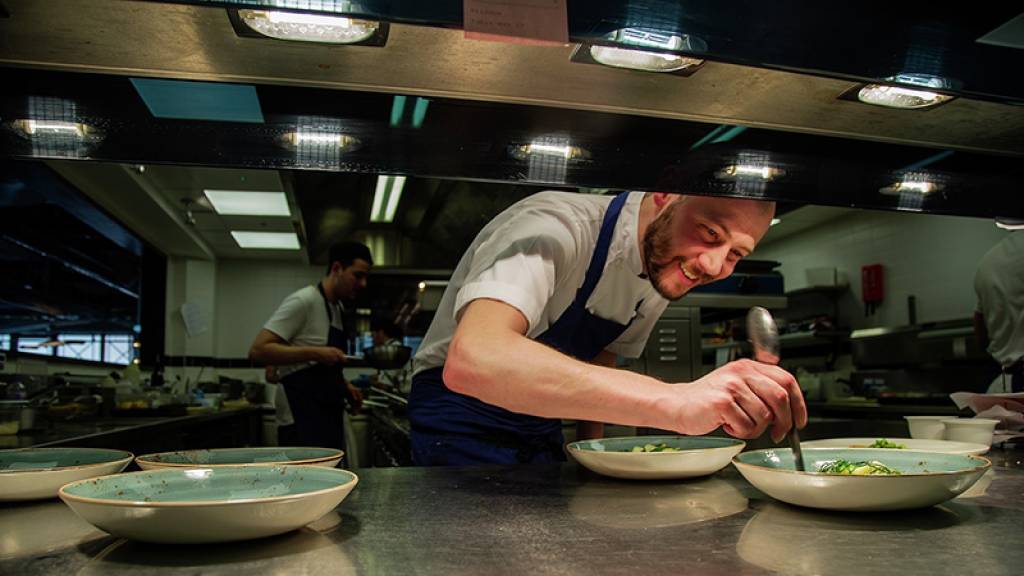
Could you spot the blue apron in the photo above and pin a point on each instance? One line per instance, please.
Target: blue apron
(316, 395)
(449, 428)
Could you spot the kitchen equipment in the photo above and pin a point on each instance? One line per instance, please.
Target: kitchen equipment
(764, 337)
(36, 473)
(694, 456)
(926, 479)
(263, 456)
(388, 357)
(193, 505)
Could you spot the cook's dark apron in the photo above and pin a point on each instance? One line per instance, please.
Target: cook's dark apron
(449, 428)
(316, 396)
(1015, 373)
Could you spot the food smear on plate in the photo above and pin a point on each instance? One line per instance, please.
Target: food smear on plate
(847, 468)
(660, 447)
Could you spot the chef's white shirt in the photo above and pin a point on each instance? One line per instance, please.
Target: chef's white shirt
(300, 320)
(534, 256)
(999, 285)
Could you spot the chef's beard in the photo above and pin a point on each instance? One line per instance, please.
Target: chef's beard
(658, 250)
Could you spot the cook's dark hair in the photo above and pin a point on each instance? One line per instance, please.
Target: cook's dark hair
(348, 252)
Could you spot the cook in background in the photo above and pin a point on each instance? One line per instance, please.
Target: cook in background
(999, 317)
(304, 340)
(546, 297)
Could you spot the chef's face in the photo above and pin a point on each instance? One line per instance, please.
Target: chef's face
(697, 240)
(350, 280)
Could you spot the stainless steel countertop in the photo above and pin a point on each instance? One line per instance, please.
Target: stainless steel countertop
(560, 519)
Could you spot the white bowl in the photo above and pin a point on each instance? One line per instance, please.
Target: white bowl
(193, 505)
(927, 427)
(37, 473)
(927, 478)
(976, 430)
(698, 456)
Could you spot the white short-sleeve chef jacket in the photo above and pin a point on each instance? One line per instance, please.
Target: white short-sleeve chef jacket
(999, 285)
(534, 256)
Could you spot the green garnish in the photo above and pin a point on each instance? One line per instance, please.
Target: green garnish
(883, 443)
(847, 468)
(661, 447)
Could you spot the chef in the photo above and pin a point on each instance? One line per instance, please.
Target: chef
(305, 339)
(549, 294)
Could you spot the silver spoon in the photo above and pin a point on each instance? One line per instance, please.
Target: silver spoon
(764, 337)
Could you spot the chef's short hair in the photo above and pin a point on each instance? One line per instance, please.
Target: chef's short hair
(346, 253)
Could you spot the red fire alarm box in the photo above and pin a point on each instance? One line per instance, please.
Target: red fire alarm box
(872, 287)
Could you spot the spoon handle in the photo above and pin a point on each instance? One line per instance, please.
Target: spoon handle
(798, 455)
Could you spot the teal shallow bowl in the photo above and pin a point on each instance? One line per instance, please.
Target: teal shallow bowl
(328, 457)
(699, 456)
(191, 505)
(36, 473)
(926, 479)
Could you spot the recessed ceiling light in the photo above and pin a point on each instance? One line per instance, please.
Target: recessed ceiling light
(248, 203)
(653, 51)
(549, 149)
(775, 221)
(266, 240)
(921, 187)
(908, 92)
(750, 171)
(304, 27)
(52, 128)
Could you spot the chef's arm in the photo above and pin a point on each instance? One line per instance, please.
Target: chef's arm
(585, 429)
(269, 348)
(491, 359)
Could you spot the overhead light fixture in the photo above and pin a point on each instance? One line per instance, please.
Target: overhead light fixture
(552, 150)
(386, 197)
(646, 50)
(908, 92)
(1010, 223)
(266, 240)
(52, 128)
(248, 203)
(304, 27)
(774, 221)
(750, 171)
(920, 187)
(317, 138)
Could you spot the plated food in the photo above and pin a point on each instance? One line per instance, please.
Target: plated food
(668, 457)
(194, 505)
(946, 446)
(266, 456)
(37, 473)
(861, 479)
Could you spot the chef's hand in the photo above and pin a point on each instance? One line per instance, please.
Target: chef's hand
(743, 397)
(328, 355)
(355, 396)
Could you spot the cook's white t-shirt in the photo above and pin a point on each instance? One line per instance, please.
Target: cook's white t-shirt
(534, 256)
(301, 320)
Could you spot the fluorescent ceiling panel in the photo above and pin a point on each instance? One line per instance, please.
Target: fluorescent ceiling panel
(247, 203)
(266, 240)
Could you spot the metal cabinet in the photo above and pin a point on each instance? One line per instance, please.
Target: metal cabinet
(673, 348)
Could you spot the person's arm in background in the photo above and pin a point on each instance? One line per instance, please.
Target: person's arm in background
(269, 348)
(586, 429)
(491, 359)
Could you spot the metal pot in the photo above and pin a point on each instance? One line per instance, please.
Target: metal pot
(390, 357)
